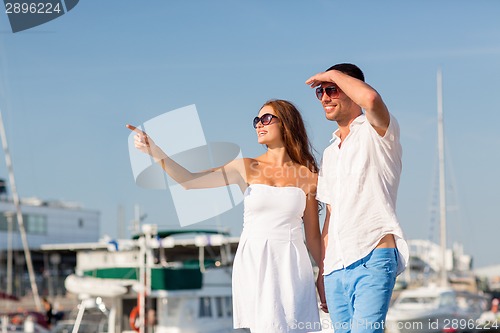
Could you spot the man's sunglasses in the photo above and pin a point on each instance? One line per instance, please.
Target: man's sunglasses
(265, 119)
(332, 92)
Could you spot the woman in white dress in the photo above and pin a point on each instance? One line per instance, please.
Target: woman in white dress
(273, 280)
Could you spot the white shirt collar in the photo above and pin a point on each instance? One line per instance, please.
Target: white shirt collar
(356, 122)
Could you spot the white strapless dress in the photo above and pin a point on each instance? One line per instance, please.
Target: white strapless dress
(273, 282)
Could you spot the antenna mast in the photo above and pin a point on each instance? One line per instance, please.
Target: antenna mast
(442, 187)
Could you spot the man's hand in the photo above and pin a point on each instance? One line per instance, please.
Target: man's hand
(316, 80)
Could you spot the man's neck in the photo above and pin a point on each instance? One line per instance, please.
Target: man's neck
(345, 127)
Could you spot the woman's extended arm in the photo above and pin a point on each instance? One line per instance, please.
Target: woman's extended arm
(231, 173)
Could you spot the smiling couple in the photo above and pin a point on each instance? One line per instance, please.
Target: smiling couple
(361, 248)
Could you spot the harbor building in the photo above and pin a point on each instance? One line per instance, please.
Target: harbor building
(45, 222)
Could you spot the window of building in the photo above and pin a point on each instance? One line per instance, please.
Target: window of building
(229, 306)
(218, 307)
(4, 224)
(33, 223)
(36, 224)
(205, 307)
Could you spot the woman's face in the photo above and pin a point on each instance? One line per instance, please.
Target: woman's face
(270, 133)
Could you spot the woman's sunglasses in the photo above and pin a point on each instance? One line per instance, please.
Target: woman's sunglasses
(265, 119)
(332, 92)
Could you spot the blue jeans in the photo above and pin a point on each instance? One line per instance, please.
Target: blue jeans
(358, 295)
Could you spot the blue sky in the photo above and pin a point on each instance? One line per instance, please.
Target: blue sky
(68, 87)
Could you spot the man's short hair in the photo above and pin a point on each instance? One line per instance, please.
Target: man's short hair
(349, 69)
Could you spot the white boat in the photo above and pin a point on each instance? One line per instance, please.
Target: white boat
(157, 282)
(436, 309)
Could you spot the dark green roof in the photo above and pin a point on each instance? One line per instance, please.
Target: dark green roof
(171, 278)
(167, 233)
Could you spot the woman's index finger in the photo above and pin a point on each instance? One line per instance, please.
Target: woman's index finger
(134, 129)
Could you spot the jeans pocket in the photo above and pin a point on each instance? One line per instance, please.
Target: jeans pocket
(384, 262)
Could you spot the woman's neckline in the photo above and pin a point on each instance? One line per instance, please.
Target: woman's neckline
(274, 186)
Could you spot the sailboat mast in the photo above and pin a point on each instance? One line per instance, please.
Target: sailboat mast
(442, 187)
(22, 230)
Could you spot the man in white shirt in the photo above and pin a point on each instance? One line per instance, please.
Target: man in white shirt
(364, 246)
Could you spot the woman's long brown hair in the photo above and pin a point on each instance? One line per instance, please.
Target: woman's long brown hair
(294, 134)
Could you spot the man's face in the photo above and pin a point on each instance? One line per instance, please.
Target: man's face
(338, 107)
